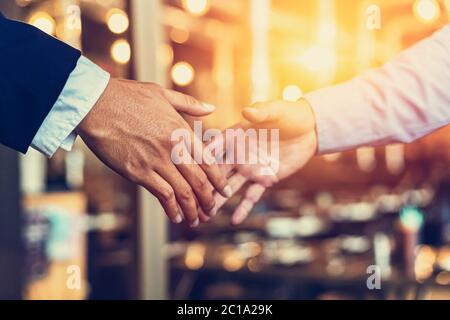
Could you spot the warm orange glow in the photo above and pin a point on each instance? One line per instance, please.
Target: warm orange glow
(292, 93)
(426, 257)
(366, 159)
(182, 74)
(197, 7)
(43, 21)
(165, 55)
(195, 256)
(117, 20)
(332, 157)
(395, 158)
(254, 265)
(444, 258)
(121, 51)
(318, 58)
(427, 10)
(443, 278)
(233, 261)
(179, 35)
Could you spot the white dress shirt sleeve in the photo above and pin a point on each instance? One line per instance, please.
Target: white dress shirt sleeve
(404, 100)
(83, 88)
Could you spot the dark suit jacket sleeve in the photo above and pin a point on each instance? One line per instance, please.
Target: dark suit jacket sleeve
(34, 68)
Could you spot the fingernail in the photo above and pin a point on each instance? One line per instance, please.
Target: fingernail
(252, 110)
(196, 223)
(256, 115)
(212, 213)
(178, 219)
(228, 191)
(208, 107)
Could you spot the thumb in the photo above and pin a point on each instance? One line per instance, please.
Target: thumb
(261, 113)
(255, 116)
(187, 104)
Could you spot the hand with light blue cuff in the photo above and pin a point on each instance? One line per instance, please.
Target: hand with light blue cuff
(128, 125)
(51, 94)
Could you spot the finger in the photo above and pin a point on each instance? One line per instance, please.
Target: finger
(236, 182)
(252, 196)
(157, 186)
(217, 148)
(199, 183)
(202, 216)
(262, 112)
(202, 155)
(187, 104)
(183, 193)
(263, 175)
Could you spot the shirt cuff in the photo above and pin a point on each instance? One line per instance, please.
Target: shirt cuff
(341, 118)
(85, 85)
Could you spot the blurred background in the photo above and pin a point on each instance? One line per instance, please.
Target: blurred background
(72, 229)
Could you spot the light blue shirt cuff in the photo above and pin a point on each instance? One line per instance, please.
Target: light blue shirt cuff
(83, 88)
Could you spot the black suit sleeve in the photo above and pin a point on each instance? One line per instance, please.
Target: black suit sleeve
(34, 68)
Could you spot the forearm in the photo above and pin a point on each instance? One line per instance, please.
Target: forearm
(400, 102)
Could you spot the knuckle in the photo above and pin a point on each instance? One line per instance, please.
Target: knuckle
(189, 100)
(133, 174)
(202, 183)
(167, 195)
(186, 195)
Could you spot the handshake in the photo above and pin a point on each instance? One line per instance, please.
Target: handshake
(137, 129)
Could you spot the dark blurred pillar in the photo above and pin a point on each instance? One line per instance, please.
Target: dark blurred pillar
(10, 239)
(10, 226)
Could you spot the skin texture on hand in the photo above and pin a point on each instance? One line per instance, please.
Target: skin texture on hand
(293, 119)
(294, 154)
(298, 145)
(130, 129)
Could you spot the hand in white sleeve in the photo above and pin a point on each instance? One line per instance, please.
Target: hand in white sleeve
(402, 101)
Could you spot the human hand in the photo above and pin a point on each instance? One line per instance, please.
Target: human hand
(297, 146)
(293, 119)
(294, 154)
(130, 130)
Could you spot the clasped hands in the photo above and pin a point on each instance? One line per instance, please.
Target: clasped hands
(130, 130)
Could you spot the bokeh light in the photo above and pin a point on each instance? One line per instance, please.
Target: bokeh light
(427, 10)
(43, 21)
(195, 256)
(292, 93)
(179, 35)
(23, 3)
(233, 261)
(121, 51)
(165, 55)
(197, 7)
(117, 21)
(182, 74)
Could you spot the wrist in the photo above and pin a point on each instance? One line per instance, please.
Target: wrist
(308, 123)
(89, 122)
